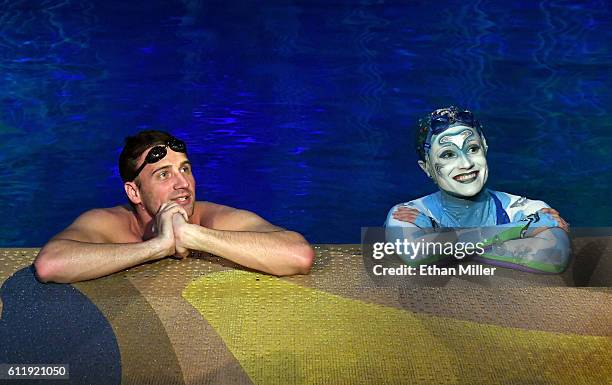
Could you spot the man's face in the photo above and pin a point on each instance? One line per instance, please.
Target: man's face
(457, 161)
(169, 179)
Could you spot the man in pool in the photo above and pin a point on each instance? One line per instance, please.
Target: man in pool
(164, 219)
(514, 231)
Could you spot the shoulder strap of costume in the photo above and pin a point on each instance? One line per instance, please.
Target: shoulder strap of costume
(502, 215)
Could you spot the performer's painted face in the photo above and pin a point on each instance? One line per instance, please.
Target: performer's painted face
(457, 161)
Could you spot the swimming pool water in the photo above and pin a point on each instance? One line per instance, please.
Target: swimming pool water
(300, 111)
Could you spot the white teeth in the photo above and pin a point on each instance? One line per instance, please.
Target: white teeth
(465, 177)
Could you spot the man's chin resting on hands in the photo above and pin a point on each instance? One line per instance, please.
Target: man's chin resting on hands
(164, 219)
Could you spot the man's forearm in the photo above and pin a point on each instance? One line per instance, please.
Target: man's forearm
(64, 261)
(276, 252)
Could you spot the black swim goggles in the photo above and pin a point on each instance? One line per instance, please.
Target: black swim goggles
(158, 153)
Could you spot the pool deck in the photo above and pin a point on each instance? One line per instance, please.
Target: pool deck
(204, 320)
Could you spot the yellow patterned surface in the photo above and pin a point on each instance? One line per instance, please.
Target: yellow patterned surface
(284, 333)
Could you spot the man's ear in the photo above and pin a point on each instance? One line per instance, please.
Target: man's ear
(133, 192)
(423, 166)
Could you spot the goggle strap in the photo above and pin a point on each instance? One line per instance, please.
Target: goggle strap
(174, 144)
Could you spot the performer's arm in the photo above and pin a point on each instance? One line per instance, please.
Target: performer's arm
(521, 244)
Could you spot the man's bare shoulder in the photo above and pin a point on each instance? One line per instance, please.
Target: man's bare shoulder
(210, 213)
(118, 215)
(112, 224)
(221, 217)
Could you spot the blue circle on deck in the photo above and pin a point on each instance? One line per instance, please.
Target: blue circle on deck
(47, 323)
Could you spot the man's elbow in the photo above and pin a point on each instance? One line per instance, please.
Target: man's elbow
(45, 267)
(304, 256)
(300, 258)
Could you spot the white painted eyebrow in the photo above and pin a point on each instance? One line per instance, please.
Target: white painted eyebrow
(453, 138)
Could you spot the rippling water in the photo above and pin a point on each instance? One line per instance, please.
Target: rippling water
(300, 111)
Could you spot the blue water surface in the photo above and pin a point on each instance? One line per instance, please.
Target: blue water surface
(300, 111)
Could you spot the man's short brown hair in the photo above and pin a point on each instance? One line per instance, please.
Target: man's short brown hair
(134, 147)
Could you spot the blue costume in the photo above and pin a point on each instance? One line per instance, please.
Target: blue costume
(488, 208)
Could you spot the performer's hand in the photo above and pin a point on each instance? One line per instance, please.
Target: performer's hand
(405, 214)
(555, 214)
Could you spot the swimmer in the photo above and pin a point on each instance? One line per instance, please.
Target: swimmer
(517, 232)
(163, 219)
